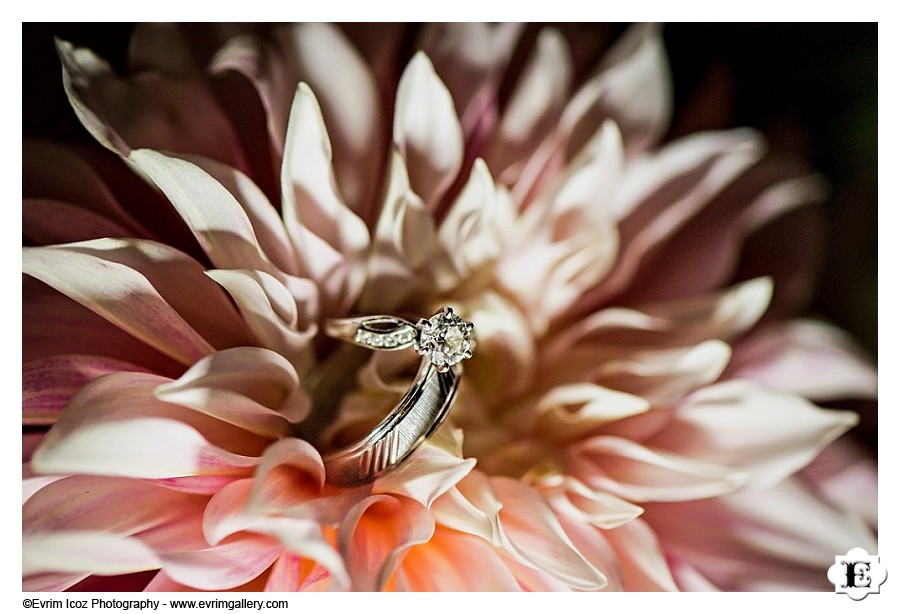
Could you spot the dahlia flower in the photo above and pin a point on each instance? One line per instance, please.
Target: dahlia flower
(642, 411)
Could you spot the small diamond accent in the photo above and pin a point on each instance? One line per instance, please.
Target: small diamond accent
(445, 339)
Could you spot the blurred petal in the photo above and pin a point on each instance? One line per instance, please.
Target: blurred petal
(643, 564)
(426, 131)
(809, 358)
(633, 87)
(85, 551)
(732, 424)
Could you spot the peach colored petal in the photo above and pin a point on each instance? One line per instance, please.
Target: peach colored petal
(536, 537)
(285, 575)
(49, 383)
(810, 358)
(120, 294)
(534, 106)
(769, 434)
(376, 534)
(453, 561)
(642, 561)
(470, 507)
(596, 549)
(45, 222)
(312, 206)
(426, 131)
(148, 109)
(638, 473)
(270, 311)
(632, 87)
(85, 551)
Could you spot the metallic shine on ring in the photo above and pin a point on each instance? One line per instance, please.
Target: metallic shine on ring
(443, 340)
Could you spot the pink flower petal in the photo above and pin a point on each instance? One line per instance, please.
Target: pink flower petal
(85, 551)
(534, 106)
(313, 53)
(426, 131)
(470, 59)
(732, 424)
(114, 426)
(146, 110)
(535, 535)
(637, 473)
(54, 324)
(118, 293)
(224, 566)
(258, 375)
(48, 384)
(643, 563)
(213, 214)
(375, 535)
(46, 222)
(633, 87)
(809, 358)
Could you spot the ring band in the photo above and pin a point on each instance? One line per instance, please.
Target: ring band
(443, 340)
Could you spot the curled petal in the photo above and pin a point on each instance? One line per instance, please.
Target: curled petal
(769, 434)
(426, 130)
(571, 411)
(258, 374)
(270, 311)
(453, 561)
(432, 470)
(376, 534)
(570, 498)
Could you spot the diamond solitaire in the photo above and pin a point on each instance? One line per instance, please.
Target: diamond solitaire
(445, 339)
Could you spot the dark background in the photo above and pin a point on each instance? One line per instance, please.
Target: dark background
(811, 88)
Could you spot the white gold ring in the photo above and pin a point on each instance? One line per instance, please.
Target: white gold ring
(443, 341)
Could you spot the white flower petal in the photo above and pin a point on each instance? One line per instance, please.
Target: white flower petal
(85, 551)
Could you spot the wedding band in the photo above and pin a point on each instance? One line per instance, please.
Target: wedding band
(443, 341)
